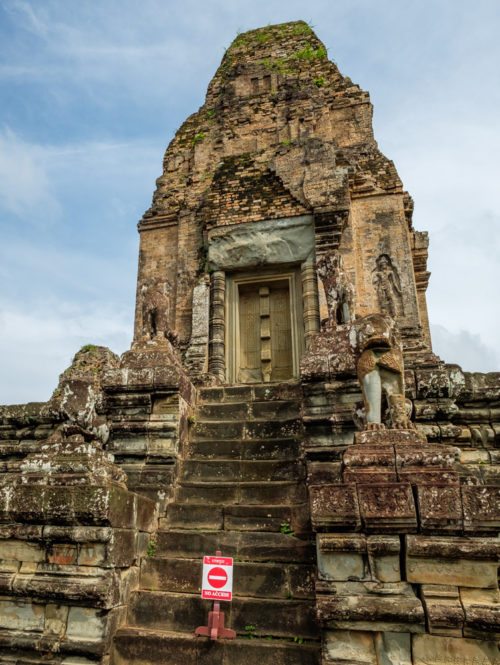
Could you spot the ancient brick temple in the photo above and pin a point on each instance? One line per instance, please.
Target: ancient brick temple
(280, 402)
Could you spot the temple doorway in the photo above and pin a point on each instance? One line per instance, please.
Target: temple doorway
(265, 330)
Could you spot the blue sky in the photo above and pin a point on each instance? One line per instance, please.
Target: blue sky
(92, 91)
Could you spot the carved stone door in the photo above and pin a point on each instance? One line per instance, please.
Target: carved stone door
(264, 335)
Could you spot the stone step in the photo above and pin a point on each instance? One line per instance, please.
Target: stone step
(148, 474)
(204, 430)
(163, 610)
(247, 493)
(258, 580)
(274, 518)
(138, 646)
(258, 392)
(219, 395)
(223, 411)
(242, 545)
(281, 448)
(278, 410)
(241, 470)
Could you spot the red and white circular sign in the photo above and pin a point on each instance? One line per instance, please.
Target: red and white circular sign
(217, 582)
(217, 577)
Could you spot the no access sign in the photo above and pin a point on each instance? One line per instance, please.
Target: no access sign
(217, 581)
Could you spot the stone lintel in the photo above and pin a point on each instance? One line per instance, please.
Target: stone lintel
(269, 242)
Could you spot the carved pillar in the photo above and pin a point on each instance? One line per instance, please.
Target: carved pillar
(310, 299)
(197, 351)
(217, 355)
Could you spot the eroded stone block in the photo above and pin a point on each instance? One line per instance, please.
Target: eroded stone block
(19, 550)
(393, 648)
(482, 612)
(406, 437)
(341, 557)
(445, 615)
(481, 505)
(393, 612)
(20, 615)
(334, 506)
(440, 508)
(387, 507)
(383, 555)
(349, 647)
(453, 561)
(434, 650)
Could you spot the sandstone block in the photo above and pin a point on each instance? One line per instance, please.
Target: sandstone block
(324, 473)
(405, 437)
(434, 650)
(440, 508)
(452, 561)
(425, 455)
(346, 647)
(481, 505)
(383, 555)
(394, 613)
(334, 506)
(482, 612)
(19, 550)
(82, 505)
(368, 475)
(341, 557)
(20, 615)
(449, 571)
(387, 507)
(444, 611)
(393, 648)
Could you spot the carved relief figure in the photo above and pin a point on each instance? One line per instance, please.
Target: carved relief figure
(380, 371)
(156, 311)
(388, 286)
(338, 288)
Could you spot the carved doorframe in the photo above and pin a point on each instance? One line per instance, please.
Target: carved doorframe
(266, 247)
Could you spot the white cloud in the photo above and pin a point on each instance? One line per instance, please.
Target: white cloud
(464, 349)
(36, 181)
(39, 342)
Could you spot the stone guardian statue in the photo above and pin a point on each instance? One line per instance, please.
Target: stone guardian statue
(380, 371)
(155, 311)
(339, 291)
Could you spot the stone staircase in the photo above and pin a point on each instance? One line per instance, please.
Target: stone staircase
(240, 489)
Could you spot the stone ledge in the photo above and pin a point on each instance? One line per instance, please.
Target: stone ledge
(90, 505)
(367, 612)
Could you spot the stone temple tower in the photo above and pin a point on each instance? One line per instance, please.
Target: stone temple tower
(280, 403)
(277, 168)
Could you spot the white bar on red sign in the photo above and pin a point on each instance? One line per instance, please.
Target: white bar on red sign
(217, 581)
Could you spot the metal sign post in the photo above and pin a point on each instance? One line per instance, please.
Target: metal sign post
(217, 583)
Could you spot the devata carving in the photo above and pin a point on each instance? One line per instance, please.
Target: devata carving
(338, 288)
(156, 312)
(388, 286)
(380, 371)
